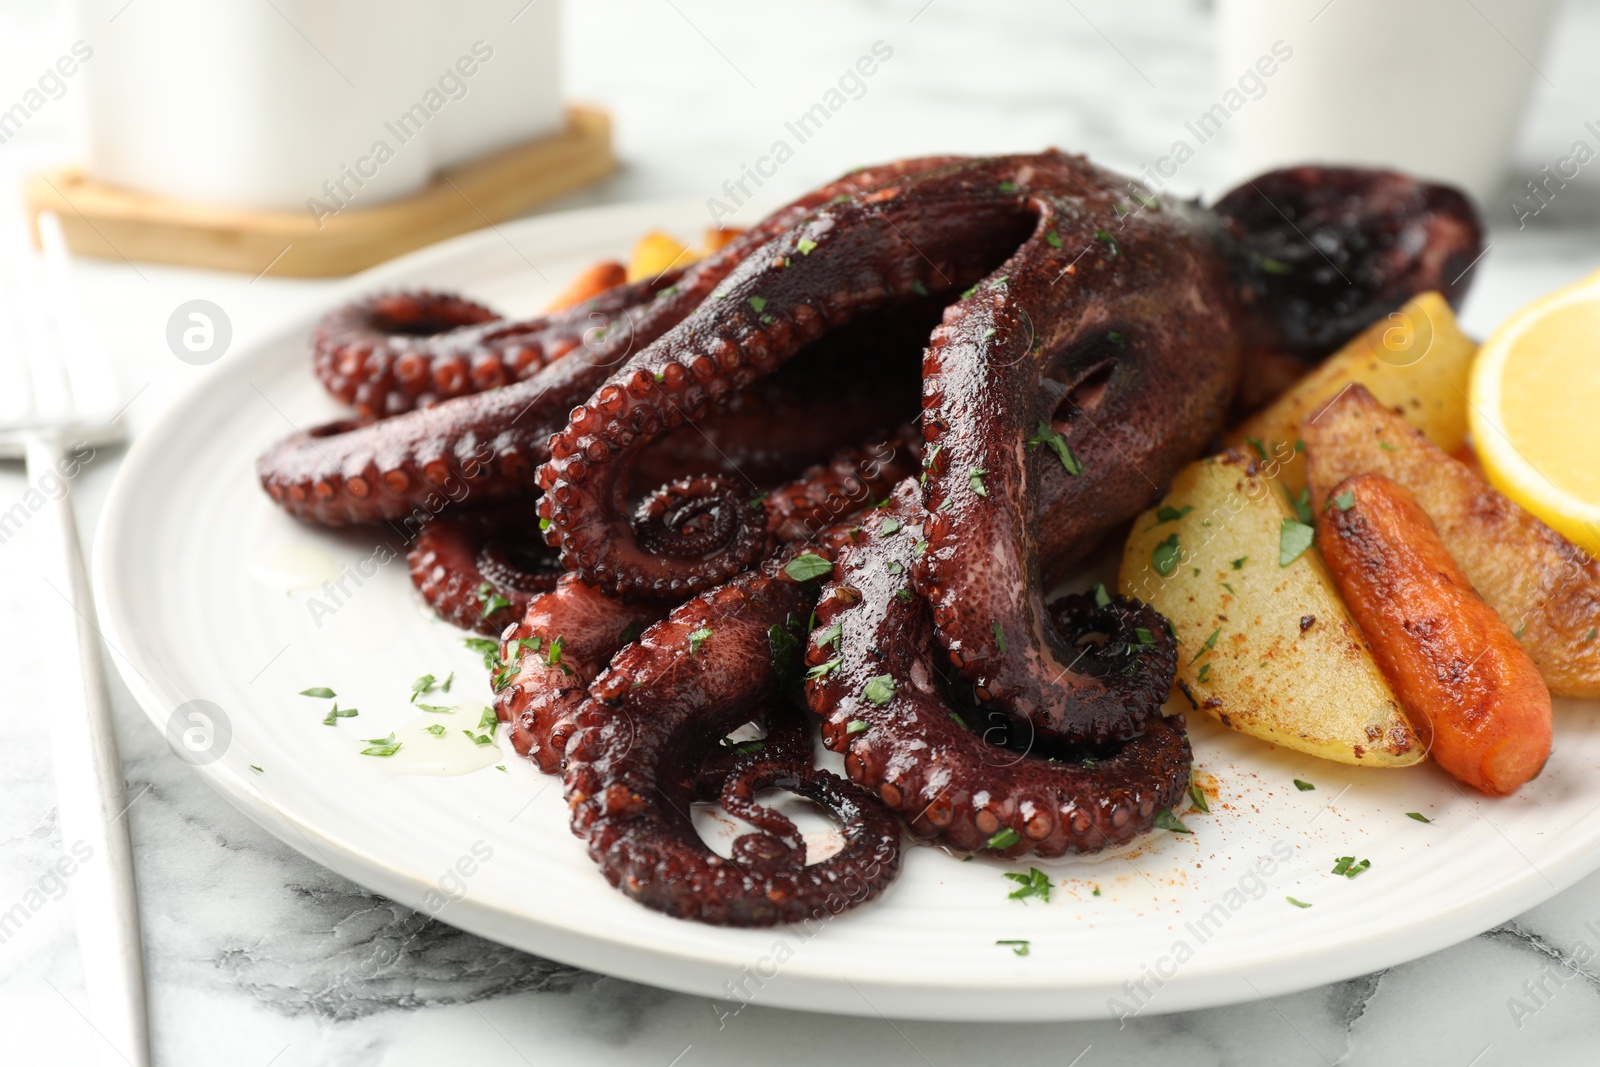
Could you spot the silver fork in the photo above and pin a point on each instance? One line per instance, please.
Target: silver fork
(67, 407)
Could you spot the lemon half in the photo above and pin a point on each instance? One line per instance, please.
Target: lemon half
(1535, 417)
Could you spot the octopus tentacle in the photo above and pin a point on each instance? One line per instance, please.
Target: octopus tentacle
(391, 352)
(563, 640)
(650, 719)
(876, 684)
(344, 472)
(478, 570)
(848, 258)
(1324, 251)
(1074, 360)
(850, 481)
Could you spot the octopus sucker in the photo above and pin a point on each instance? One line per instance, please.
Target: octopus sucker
(478, 570)
(879, 426)
(651, 720)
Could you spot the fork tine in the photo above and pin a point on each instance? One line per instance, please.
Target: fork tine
(91, 380)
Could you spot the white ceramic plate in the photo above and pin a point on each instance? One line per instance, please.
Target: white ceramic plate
(1180, 922)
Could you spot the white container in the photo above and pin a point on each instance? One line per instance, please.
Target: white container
(298, 103)
(1434, 87)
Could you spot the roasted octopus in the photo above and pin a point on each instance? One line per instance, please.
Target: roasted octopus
(718, 497)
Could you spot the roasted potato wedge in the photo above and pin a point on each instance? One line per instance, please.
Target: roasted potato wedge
(656, 253)
(1415, 359)
(1267, 648)
(1540, 584)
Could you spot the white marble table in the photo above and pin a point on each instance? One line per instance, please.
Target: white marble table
(257, 955)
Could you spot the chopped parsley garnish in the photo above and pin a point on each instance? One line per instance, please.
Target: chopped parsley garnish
(1592, 634)
(1052, 238)
(1387, 447)
(822, 670)
(1297, 903)
(333, 716)
(488, 720)
(1145, 637)
(1417, 815)
(1170, 514)
(903, 595)
(894, 566)
(1148, 201)
(1272, 266)
(1164, 558)
(918, 288)
(489, 650)
(1168, 821)
(1259, 448)
(1239, 563)
(999, 635)
(1096, 891)
(1033, 884)
(322, 692)
(758, 303)
(553, 657)
(805, 246)
(1204, 677)
(1345, 500)
(258, 770)
(1102, 235)
(480, 739)
(1047, 436)
(806, 566)
(437, 729)
(1114, 337)
(544, 524)
(1008, 187)
(1304, 787)
(891, 525)
(831, 635)
(880, 690)
(437, 709)
(426, 684)
(1301, 505)
(1101, 597)
(1347, 866)
(1230, 588)
(859, 726)
(1198, 795)
(1019, 948)
(1004, 839)
(1293, 540)
(975, 479)
(922, 546)
(382, 746)
(491, 600)
(1211, 642)
(698, 638)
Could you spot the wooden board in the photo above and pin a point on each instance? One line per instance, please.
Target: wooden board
(114, 223)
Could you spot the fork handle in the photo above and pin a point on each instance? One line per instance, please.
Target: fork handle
(89, 792)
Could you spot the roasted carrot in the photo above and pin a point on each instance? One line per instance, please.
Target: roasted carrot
(1472, 694)
(717, 236)
(607, 274)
